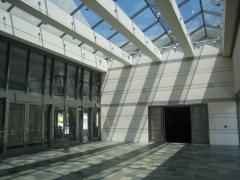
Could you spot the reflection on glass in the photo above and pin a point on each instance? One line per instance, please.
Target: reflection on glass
(47, 114)
(48, 76)
(1, 118)
(16, 125)
(35, 73)
(86, 86)
(86, 92)
(3, 57)
(59, 74)
(58, 123)
(17, 68)
(71, 115)
(71, 77)
(35, 124)
(95, 125)
(80, 83)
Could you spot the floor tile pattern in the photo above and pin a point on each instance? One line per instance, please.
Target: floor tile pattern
(119, 161)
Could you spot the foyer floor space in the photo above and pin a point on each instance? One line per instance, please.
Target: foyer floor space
(127, 161)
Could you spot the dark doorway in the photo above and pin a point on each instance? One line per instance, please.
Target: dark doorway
(178, 124)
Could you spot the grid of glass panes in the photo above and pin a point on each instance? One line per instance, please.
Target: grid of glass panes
(33, 71)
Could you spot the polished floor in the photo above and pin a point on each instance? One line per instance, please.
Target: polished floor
(120, 161)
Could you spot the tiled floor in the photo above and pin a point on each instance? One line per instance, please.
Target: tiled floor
(127, 161)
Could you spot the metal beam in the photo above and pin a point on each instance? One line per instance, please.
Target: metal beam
(110, 12)
(89, 36)
(170, 11)
(230, 26)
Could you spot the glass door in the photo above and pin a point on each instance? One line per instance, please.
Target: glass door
(47, 114)
(71, 117)
(34, 128)
(80, 114)
(58, 125)
(86, 124)
(2, 122)
(95, 125)
(16, 124)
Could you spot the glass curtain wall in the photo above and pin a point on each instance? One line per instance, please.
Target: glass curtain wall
(71, 81)
(58, 124)
(16, 123)
(35, 125)
(3, 61)
(71, 115)
(86, 85)
(59, 77)
(35, 73)
(17, 68)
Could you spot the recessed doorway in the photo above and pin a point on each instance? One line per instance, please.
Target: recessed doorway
(178, 124)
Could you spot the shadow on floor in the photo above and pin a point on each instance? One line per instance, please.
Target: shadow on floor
(63, 158)
(198, 162)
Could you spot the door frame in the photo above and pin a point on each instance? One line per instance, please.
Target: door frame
(164, 119)
(2, 130)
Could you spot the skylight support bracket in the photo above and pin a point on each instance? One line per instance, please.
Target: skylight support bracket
(171, 13)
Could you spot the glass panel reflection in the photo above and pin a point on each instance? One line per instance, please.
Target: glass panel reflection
(35, 124)
(17, 68)
(59, 76)
(71, 78)
(35, 73)
(3, 57)
(16, 123)
(72, 122)
(47, 114)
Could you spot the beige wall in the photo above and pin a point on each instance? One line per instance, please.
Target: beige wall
(127, 93)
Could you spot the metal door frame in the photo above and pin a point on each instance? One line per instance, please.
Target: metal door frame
(2, 131)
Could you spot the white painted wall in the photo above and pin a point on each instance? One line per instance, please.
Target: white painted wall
(127, 93)
(236, 62)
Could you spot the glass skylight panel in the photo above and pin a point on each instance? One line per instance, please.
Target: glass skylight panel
(4, 5)
(25, 16)
(144, 19)
(179, 1)
(213, 20)
(119, 39)
(105, 29)
(90, 17)
(130, 7)
(154, 31)
(212, 5)
(190, 9)
(68, 6)
(213, 33)
(198, 35)
(194, 23)
(163, 22)
(163, 41)
(130, 48)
